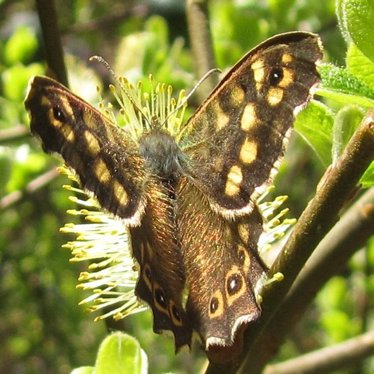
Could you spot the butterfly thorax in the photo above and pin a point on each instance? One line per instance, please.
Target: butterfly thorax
(162, 155)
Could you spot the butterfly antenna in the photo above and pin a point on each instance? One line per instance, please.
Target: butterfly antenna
(193, 90)
(101, 60)
(199, 82)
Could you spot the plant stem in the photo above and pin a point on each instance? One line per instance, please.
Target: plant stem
(201, 43)
(33, 186)
(343, 240)
(52, 40)
(328, 359)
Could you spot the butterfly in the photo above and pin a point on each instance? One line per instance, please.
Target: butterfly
(189, 202)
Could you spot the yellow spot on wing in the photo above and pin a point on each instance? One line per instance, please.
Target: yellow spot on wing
(120, 193)
(68, 133)
(249, 117)
(245, 259)
(45, 101)
(237, 96)
(288, 78)
(93, 144)
(67, 107)
(259, 72)
(218, 164)
(101, 171)
(52, 119)
(221, 118)
(64, 128)
(287, 58)
(243, 232)
(275, 96)
(234, 179)
(248, 151)
(148, 249)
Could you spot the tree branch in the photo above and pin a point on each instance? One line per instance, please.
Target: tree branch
(344, 239)
(316, 220)
(36, 184)
(52, 40)
(18, 132)
(328, 359)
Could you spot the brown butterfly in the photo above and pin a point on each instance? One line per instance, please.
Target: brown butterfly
(191, 205)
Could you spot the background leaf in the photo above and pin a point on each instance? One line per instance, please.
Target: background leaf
(314, 124)
(360, 66)
(121, 353)
(356, 19)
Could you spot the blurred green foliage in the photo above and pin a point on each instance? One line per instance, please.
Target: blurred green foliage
(42, 328)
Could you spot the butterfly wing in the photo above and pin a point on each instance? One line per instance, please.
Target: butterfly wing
(162, 272)
(237, 136)
(222, 267)
(91, 145)
(109, 164)
(234, 142)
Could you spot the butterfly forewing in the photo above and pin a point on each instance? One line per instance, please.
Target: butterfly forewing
(238, 134)
(107, 163)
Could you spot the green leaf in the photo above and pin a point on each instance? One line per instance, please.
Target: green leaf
(26, 164)
(315, 124)
(356, 20)
(20, 47)
(121, 353)
(360, 66)
(341, 20)
(367, 179)
(338, 325)
(345, 124)
(15, 80)
(342, 87)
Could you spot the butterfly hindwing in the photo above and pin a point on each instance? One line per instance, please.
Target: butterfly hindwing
(161, 275)
(221, 293)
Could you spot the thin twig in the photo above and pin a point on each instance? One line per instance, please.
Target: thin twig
(52, 40)
(36, 184)
(316, 220)
(201, 43)
(328, 359)
(18, 132)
